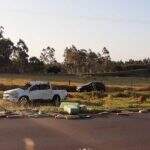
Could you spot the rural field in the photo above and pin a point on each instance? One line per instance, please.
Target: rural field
(13, 79)
(125, 93)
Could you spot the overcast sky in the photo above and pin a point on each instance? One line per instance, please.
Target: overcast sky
(123, 26)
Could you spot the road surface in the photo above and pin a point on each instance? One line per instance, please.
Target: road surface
(107, 133)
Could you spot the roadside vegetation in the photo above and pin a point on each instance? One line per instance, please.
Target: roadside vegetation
(95, 102)
(122, 93)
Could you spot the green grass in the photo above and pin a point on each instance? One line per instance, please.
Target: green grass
(114, 100)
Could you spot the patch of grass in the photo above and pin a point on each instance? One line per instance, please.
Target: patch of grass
(14, 107)
(87, 102)
(48, 109)
(10, 106)
(125, 103)
(116, 103)
(127, 94)
(119, 100)
(146, 104)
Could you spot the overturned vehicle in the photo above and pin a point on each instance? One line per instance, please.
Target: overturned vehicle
(92, 86)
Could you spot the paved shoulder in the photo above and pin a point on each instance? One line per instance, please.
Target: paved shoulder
(125, 133)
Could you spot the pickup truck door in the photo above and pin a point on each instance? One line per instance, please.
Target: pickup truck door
(45, 91)
(34, 92)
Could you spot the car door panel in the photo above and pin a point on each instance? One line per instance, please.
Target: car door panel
(45, 91)
(34, 93)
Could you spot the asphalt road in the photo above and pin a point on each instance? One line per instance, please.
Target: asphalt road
(109, 133)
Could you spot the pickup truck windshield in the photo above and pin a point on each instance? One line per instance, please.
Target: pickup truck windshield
(26, 86)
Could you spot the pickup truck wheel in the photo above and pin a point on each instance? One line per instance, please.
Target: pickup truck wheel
(24, 100)
(56, 100)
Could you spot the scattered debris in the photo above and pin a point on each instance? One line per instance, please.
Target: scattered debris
(3, 114)
(72, 117)
(80, 116)
(60, 116)
(144, 111)
(15, 116)
(70, 108)
(83, 108)
(123, 114)
(115, 111)
(102, 114)
(73, 111)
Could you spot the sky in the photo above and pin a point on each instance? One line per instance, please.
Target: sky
(123, 26)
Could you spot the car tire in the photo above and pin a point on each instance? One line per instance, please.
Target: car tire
(56, 100)
(24, 100)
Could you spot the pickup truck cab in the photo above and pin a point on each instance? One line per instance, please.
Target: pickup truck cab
(36, 90)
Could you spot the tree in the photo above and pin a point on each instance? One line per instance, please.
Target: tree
(106, 54)
(36, 65)
(54, 69)
(106, 59)
(71, 59)
(20, 55)
(34, 60)
(92, 60)
(6, 49)
(99, 63)
(47, 55)
(82, 60)
(1, 32)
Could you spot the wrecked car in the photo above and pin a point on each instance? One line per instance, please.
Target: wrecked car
(36, 90)
(92, 86)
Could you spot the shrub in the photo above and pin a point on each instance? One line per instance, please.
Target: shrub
(142, 99)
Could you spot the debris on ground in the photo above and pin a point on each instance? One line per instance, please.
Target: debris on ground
(144, 111)
(70, 111)
(3, 114)
(102, 114)
(82, 108)
(123, 114)
(70, 108)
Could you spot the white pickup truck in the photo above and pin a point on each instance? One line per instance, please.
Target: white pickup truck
(36, 90)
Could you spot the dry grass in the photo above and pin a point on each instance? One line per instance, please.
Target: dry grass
(114, 84)
(9, 106)
(13, 79)
(14, 107)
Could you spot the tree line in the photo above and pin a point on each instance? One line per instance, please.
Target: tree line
(14, 58)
